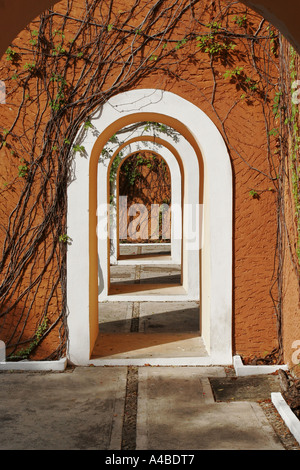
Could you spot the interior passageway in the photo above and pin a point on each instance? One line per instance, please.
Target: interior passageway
(148, 329)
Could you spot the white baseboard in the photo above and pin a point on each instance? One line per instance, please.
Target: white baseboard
(58, 366)
(290, 419)
(243, 370)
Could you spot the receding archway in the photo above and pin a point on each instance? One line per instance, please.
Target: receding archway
(171, 155)
(215, 191)
(143, 190)
(181, 149)
(175, 196)
(180, 193)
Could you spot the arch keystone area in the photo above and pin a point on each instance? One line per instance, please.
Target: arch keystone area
(216, 194)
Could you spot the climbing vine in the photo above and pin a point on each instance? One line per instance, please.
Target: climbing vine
(287, 135)
(292, 122)
(64, 67)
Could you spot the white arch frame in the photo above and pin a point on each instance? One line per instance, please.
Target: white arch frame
(176, 232)
(190, 247)
(216, 256)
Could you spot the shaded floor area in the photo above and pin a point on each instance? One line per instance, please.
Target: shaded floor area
(145, 270)
(147, 329)
(139, 408)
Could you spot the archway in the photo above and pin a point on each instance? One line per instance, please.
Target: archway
(181, 149)
(215, 191)
(143, 190)
(175, 197)
(183, 195)
(172, 157)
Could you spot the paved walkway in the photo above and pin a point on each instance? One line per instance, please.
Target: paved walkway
(146, 408)
(141, 408)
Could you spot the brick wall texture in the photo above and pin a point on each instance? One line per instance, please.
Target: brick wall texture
(241, 117)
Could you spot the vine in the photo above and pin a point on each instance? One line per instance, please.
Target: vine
(293, 122)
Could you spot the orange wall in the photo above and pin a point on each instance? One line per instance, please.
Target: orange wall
(16, 14)
(254, 323)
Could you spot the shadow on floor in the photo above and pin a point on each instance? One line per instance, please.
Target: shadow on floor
(159, 330)
(184, 320)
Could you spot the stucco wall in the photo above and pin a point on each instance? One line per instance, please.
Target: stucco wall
(15, 15)
(254, 240)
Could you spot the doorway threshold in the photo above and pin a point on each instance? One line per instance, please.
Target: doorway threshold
(144, 259)
(148, 293)
(149, 349)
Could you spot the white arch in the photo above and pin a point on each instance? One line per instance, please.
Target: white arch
(216, 256)
(191, 244)
(176, 231)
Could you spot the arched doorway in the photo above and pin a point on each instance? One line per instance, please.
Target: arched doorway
(214, 191)
(139, 184)
(184, 196)
(141, 199)
(167, 151)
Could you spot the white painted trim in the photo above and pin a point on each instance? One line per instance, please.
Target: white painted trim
(242, 370)
(176, 233)
(190, 259)
(55, 366)
(290, 419)
(217, 243)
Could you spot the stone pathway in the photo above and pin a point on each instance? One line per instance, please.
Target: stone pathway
(177, 411)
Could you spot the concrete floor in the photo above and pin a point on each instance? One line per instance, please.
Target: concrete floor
(145, 274)
(120, 408)
(153, 329)
(144, 249)
(137, 330)
(140, 408)
(179, 412)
